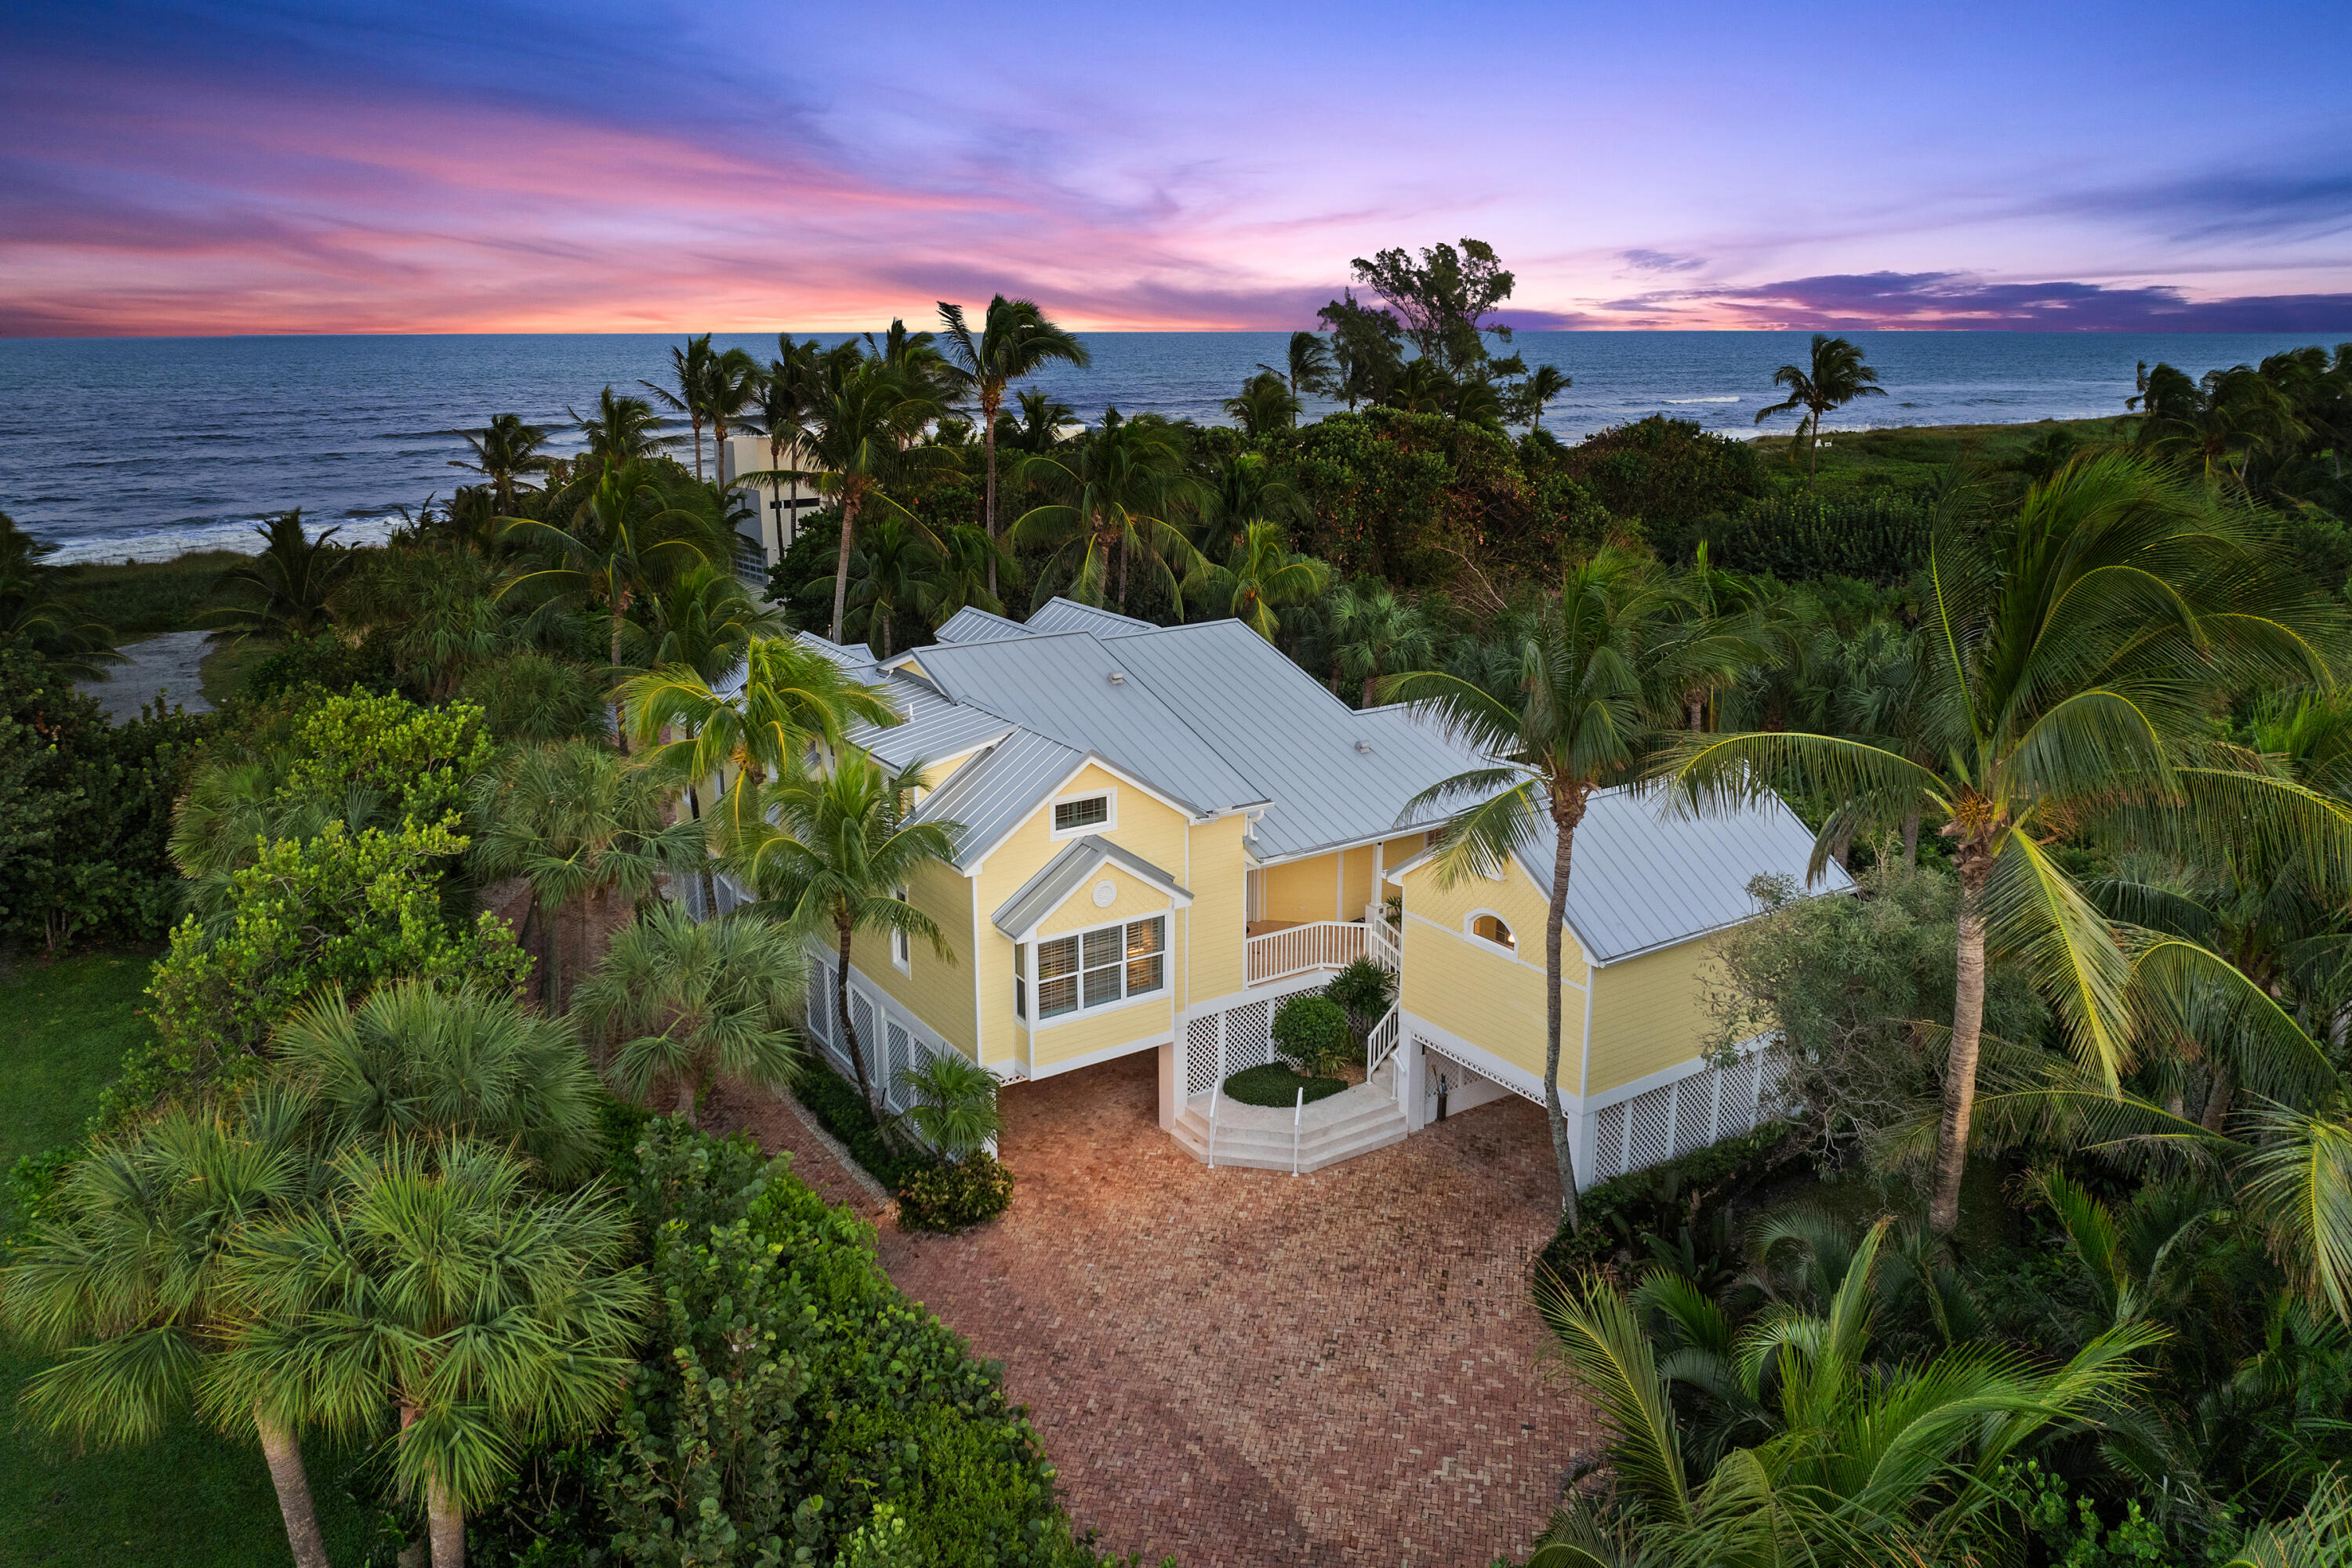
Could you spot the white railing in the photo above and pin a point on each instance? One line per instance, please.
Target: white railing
(1298, 1114)
(1380, 1042)
(1295, 949)
(1381, 946)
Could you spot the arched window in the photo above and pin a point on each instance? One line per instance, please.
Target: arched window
(1494, 930)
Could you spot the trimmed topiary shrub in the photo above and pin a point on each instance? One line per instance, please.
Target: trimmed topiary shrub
(1311, 1033)
(1277, 1085)
(955, 1195)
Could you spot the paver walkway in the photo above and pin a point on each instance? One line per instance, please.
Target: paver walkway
(1244, 1367)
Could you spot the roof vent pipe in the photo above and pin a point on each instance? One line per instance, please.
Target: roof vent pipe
(1118, 678)
(1365, 747)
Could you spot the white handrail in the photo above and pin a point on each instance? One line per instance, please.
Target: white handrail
(1296, 1111)
(1381, 1041)
(1294, 950)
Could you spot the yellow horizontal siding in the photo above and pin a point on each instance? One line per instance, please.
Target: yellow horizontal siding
(935, 989)
(1301, 890)
(1650, 1014)
(1144, 1023)
(1216, 927)
(1079, 912)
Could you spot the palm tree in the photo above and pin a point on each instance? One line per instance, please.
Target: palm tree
(623, 430)
(1235, 490)
(411, 1061)
(693, 367)
(969, 561)
(703, 620)
(1544, 383)
(502, 449)
(1039, 428)
(624, 539)
(781, 401)
(1308, 367)
(589, 835)
(33, 614)
(1421, 386)
(527, 696)
(2070, 656)
(1015, 341)
(838, 851)
(1265, 404)
(1112, 495)
(438, 1287)
(1833, 377)
(123, 1281)
(1374, 633)
(2229, 416)
(690, 1001)
(1846, 1459)
(286, 591)
(952, 1103)
(895, 556)
(1600, 672)
(1260, 577)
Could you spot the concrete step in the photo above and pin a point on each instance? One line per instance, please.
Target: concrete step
(1247, 1136)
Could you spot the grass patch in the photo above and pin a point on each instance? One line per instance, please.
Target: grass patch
(144, 597)
(220, 674)
(191, 1497)
(1275, 1085)
(1912, 457)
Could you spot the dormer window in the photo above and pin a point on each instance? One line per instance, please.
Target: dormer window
(1079, 813)
(1493, 929)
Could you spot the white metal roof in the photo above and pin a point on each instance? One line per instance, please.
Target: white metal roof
(995, 791)
(1644, 877)
(1042, 894)
(1069, 616)
(973, 625)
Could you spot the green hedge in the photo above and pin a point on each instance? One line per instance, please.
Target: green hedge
(792, 1394)
(1659, 1200)
(834, 1102)
(1274, 1084)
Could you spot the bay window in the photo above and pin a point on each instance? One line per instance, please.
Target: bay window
(1096, 968)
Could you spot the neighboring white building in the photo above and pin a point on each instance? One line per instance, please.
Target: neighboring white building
(778, 506)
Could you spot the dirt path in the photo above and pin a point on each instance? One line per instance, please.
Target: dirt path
(166, 663)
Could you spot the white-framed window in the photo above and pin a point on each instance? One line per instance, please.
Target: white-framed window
(1021, 981)
(1492, 928)
(902, 946)
(1101, 967)
(1080, 814)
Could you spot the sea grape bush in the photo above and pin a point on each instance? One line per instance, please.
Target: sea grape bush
(422, 756)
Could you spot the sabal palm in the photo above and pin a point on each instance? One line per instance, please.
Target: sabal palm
(1261, 577)
(1373, 632)
(504, 449)
(832, 853)
(1866, 1462)
(1832, 376)
(588, 833)
(686, 1002)
(286, 591)
(2072, 657)
(625, 540)
(1265, 406)
(125, 1283)
(1597, 677)
(1015, 341)
(790, 696)
(1112, 493)
(623, 430)
(410, 1061)
(438, 1287)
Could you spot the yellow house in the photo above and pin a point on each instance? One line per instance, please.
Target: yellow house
(1161, 831)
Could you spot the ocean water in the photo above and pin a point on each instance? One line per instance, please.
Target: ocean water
(141, 447)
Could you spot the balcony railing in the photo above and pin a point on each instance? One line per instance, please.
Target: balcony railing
(1317, 944)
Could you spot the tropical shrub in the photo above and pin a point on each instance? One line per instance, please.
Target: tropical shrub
(424, 757)
(340, 910)
(1672, 1200)
(1363, 991)
(323, 660)
(955, 1195)
(1310, 1033)
(1879, 538)
(841, 1110)
(1663, 475)
(790, 1390)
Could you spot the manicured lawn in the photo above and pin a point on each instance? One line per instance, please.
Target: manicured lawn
(191, 1497)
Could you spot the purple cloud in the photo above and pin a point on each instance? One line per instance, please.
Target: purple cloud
(1956, 300)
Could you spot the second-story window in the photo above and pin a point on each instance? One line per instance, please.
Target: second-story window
(1082, 814)
(1096, 968)
(902, 945)
(1494, 930)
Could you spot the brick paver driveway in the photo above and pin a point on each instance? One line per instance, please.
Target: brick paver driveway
(1242, 1367)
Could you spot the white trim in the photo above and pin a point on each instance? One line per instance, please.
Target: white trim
(1510, 953)
(1110, 824)
(1096, 760)
(1108, 1053)
(979, 1012)
(1510, 1075)
(1162, 993)
(900, 940)
(1470, 922)
(1688, 1067)
(1178, 897)
(1339, 846)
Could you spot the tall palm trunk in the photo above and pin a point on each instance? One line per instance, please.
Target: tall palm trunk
(1368, 681)
(2217, 1103)
(989, 401)
(841, 564)
(1813, 450)
(686, 1098)
(444, 1526)
(1967, 1041)
(284, 1454)
(1911, 840)
(620, 612)
(1567, 811)
(697, 423)
(849, 1028)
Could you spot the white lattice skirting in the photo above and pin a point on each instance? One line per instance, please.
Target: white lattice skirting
(893, 1041)
(1674, 1118)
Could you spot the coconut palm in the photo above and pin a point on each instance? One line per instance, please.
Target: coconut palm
(703, 620)
(123, 1281)
(2227, 418)
(1834, 376)
(1373, 632)
(1477, 401)
(1111, 495)
(1599, 674)
(1307, 368)
(625, 540)
(410, 1061)
(695, 370)
(1261, 577)
(1015, 341)
(968, 565)
(951, 1103)
(437, 1287)
(896, 555)
(835, 853)
(1265, 406)
(623, 430)
(1044, 418)
(686, 1002)
(782, 402)
(286, 591)
(504, 449)
(1544, 383)
(589, 835)
(1234, 489)
(1850, 1460)
(2072, 655)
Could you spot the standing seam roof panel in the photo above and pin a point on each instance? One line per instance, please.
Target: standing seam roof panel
(993, 793)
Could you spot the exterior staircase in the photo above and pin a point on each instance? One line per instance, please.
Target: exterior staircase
(1356, 1121)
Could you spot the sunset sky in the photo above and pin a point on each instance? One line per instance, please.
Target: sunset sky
(504, 165)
